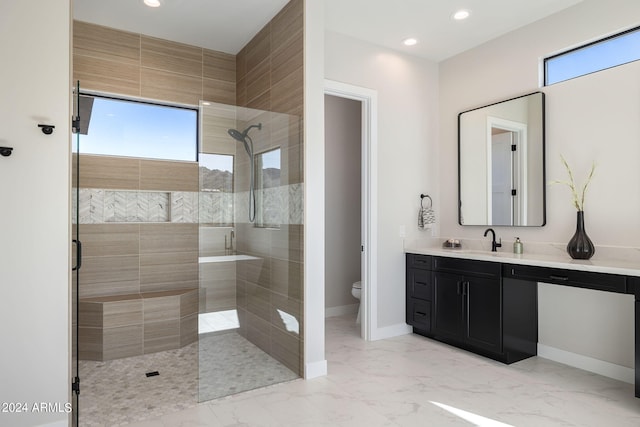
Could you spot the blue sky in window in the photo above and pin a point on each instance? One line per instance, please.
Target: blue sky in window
(222, 162)
(600, 56)
(135, 129)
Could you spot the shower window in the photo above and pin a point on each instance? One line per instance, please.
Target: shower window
(216, 189)
(269, 192)
(118, 127)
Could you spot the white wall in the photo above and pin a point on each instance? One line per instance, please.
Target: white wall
(34, 211)
(407, 90)
(593, 117)
(342, 124)
(315, 363)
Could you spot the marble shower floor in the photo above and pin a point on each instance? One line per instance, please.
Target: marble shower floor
(413, 381)
(118, 392)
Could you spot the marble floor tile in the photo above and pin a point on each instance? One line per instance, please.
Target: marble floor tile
(414, 381)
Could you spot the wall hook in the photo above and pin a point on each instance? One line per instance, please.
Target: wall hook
(46, 129)
(5, 151)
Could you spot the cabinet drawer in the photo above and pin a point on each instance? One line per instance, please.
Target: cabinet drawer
(419, 314)
(467, 266)
(419, 261)
(420, 284)
(580, 279)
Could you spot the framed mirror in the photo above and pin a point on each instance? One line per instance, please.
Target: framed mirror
(501, 170)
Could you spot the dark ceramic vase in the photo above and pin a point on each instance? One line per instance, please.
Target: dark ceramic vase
(580, 245)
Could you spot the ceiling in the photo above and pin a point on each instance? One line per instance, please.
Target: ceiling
(227, 25)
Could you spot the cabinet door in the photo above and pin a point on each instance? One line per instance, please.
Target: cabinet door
(483, 313)
(448, 305)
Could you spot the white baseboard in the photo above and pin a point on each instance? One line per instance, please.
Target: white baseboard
(315, 369)
(341, 310)
(600, 367)
(390, 331)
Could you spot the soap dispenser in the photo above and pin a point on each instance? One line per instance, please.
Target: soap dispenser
(517, 246)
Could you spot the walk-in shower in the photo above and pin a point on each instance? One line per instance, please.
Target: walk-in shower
(244, 138)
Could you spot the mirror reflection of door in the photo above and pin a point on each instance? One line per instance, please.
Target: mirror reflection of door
(502, 166)
(507, 186)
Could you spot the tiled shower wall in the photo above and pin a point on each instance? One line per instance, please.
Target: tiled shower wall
(269, 289)
(123, 63)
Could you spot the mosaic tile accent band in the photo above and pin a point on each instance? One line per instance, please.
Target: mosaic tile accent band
(279, 205)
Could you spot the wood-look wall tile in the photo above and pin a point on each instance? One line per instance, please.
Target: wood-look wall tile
(258, 80)
(188, 330)
(287, 22)
(170, 56)
(219, 295)
(259, 48)
(168, 176)
(110, 239)
(287, 94)
(287, 278)
(167, 271)
(241, 91)
(161, 335)
(89, 343)
(255, 271)
(220, 91)
(262, 102)
(161, 308)
(189, 303)
(258, 331)
(171, 87)
(122, 342)
(286, 349)
(288, 243)
(287, 58)
(258, 301)
(123, 313)
(106, 76)
(168, 238)
(109, 172)
(90, 314)
(106, 43)
(218, 66)
(109, 275)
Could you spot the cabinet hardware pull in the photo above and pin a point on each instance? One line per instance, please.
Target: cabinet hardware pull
(465, 288)
(421, 314)
(459, 286)
(562, 278)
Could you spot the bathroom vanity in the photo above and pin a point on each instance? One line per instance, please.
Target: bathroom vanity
(486, 302)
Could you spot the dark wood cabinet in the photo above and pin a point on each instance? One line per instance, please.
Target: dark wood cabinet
(419, 292)
(468, 308)
(465, 303)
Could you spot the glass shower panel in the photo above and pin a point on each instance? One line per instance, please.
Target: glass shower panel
(75, 165)
(250, 254)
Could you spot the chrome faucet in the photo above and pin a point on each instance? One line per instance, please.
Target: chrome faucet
(494, 245)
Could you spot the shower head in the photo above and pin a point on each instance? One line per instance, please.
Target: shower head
(236, 134)
(244, 136)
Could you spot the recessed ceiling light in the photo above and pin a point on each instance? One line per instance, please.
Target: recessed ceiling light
(410, 41)
(461, 14)
(152, 3)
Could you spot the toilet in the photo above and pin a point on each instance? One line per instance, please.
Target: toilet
(356, 291)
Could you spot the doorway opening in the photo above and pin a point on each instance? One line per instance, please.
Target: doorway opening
(367, 99)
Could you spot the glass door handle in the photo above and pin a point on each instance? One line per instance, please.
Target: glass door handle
(78, 244)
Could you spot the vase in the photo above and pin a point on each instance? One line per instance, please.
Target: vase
(580, 245)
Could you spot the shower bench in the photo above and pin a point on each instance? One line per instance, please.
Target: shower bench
(113, 327)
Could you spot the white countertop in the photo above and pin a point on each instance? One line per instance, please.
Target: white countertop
(623, 261)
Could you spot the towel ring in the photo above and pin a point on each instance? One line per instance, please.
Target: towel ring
(422, 196)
